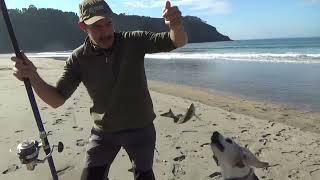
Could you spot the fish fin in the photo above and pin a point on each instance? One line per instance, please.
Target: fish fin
(168, 114)
(190, 112)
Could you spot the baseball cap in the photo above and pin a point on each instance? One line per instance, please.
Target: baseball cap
(92, 11)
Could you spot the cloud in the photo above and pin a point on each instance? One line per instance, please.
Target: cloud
(144, 3)
(206, 6)
(195, 6)
(311, 1)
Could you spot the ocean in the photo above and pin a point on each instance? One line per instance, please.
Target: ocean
(285, 71)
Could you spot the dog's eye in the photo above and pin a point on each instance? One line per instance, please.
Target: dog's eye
(229, 141)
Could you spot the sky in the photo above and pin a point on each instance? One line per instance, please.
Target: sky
(238, 19)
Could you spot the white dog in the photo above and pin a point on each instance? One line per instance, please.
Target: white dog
(236, 162)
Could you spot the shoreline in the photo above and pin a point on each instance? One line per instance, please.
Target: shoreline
(269, 111)
(274, 112)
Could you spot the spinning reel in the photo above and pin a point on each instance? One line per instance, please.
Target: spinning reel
(28, 152)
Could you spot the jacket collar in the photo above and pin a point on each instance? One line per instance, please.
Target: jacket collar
(91, 49)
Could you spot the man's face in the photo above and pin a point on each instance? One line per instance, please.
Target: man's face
(101, 33)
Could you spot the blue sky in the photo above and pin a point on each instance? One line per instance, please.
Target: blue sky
(239, 19)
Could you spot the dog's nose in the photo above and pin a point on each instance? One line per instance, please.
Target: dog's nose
(215, 136)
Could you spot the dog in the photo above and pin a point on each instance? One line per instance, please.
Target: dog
(236, 162)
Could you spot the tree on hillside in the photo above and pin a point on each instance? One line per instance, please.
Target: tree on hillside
(46, 29)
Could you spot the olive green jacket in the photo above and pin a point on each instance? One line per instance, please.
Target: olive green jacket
(115, 79)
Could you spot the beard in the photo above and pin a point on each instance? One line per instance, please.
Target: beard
(105, 41)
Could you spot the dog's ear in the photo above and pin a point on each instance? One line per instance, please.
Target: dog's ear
(251, 160)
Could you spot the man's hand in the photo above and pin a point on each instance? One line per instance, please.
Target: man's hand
(23, 68)
(173, 19)
(172, 16)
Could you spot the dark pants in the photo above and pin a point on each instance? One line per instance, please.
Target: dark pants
(103, 148)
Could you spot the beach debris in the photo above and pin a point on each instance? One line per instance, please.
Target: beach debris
(179, 119)
(80, 142)
(215, 174)
(177, 170)
(204, 144)
(179, 158)
(11, 168)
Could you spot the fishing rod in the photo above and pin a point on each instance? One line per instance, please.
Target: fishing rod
(28, 151)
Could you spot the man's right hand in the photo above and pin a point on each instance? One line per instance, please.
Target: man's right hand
(23, 68)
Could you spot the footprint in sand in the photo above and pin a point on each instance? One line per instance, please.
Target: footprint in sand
(53, 113)
(259, 151)
(18, 131)
(69, 108)
(67, 114)
(63, 170)
(294, 173)
(287, 152)
(313, 171)
(265, 135)
(303, 162)
(279, 133)
(177, 170)
(263, 140)
(11, 169)
(245, 130)
(57, 121)
(316, 143)
(186, 131)
(5, 69)
(44, 108)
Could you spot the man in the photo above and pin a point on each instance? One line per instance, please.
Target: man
(111, 66)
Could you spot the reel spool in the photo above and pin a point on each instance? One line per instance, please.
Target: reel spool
(28, 152)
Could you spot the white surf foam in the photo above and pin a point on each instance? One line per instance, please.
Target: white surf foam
(312, 58)
(254, 57)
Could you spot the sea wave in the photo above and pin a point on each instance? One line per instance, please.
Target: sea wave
(289, 57)
(50, 54)
(255, 57)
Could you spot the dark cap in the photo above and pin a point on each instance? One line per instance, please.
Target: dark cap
(92, 11)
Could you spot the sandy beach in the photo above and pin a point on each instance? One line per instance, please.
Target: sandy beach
(285, 137)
